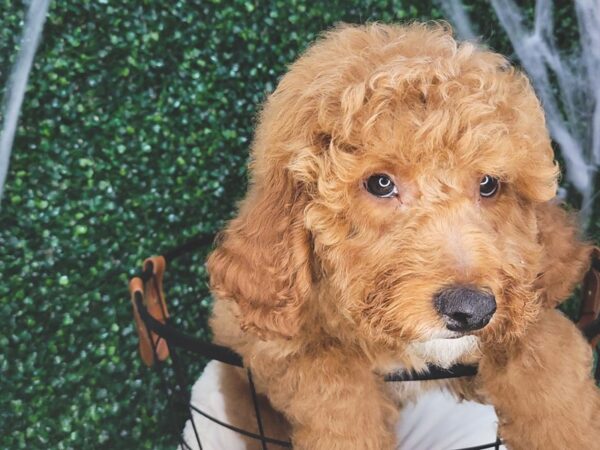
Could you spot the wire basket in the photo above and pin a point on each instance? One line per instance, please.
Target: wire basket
(160, 343)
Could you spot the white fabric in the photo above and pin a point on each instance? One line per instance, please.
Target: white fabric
(207, 397)
(438, 422)
(435, 422)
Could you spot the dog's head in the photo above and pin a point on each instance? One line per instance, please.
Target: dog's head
(408, 177)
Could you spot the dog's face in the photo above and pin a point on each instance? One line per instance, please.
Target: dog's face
(426, 225)
(408, 178)
(423, 244)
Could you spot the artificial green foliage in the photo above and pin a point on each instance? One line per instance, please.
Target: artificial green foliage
(134, 136)
(11, 22)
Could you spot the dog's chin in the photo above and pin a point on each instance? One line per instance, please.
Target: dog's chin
(444, 348)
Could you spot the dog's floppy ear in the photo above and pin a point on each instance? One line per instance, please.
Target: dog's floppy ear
(565, 257)
(262, 258)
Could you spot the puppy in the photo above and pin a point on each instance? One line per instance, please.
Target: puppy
(400, 213)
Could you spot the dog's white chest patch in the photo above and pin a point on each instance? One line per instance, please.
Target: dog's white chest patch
(442, 352)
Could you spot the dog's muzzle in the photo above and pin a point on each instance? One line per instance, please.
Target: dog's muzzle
(465, 308)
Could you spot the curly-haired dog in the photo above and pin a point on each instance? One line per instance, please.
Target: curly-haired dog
(401, 213)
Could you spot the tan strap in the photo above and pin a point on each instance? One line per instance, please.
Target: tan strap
(145, 347)
(155, 302)
(153, 298)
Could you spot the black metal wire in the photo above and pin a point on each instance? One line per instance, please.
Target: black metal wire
(182, 383)
(495, 445)
(182, 443)
(256, 410)
(193, 422)
(241, 430)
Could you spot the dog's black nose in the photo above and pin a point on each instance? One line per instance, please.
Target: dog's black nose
(465, 308)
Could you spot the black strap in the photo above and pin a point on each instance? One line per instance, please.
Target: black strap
(201, 240)
(433, 372)
(175, 337)
(198, 241)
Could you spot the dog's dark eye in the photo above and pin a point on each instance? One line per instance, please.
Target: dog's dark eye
(381, 185)
(488, 186)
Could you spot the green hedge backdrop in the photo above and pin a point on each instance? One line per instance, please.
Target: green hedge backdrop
(133, 137)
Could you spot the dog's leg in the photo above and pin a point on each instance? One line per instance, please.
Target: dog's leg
(543, 391)
(333, 401)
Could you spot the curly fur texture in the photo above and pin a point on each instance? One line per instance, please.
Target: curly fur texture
(322, 287)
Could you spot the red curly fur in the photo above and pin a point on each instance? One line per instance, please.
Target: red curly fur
(322, 287)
